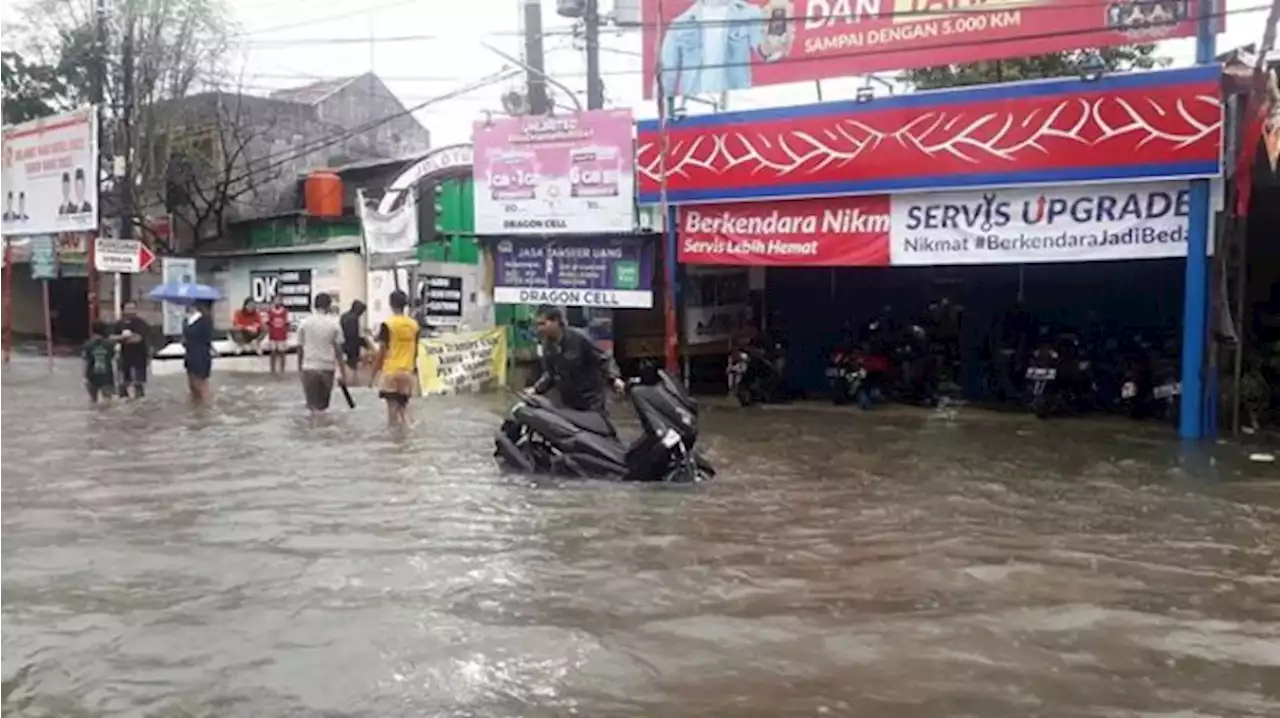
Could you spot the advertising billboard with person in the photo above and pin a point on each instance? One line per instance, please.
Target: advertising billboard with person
(715, 46)
(50, 175)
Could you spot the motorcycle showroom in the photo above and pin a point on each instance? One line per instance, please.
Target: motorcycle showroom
(1037, 258)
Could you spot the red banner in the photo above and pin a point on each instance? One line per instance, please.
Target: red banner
(713, 46)
(1157, 125)
(836, 232)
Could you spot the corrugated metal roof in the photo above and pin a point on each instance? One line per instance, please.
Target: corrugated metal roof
(314, 93)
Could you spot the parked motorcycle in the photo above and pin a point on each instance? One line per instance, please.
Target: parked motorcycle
(1060, 376)
(541, 438)
(755, 375)
(1042, 377)
(917, 368)
(1166, 384)
(1152, 386)
(846, 378)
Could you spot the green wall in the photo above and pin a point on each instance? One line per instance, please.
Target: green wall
(455, 223)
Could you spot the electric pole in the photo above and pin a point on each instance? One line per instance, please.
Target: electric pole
(125, 183)
(539, 104)
(591, 29)
(97, 92)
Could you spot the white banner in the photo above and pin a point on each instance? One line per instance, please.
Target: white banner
(395, 232)
(1026, 225)
(50, 178)
(379, 284)
(601, 298)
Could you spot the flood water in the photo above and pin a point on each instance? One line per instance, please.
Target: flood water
(242, 561)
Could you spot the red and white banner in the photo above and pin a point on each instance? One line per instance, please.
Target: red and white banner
(50, 176)
(1131, 127)
(713, 46)
(831, 232)
(1018, 225)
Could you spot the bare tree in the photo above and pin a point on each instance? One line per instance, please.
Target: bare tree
(154, 52)
(217, 163)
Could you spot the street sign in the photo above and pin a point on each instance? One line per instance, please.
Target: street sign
(126, 256)
(442, 298)
(44, 258)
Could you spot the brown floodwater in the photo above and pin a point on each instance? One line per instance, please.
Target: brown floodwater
(245, 561)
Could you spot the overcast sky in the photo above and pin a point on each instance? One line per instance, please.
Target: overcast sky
(426, 48)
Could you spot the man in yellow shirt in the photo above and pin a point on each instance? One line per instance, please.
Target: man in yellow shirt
(397, 357)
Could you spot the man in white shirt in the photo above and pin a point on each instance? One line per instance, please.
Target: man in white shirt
(319, 354)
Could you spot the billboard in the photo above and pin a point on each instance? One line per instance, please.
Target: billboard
(555, 174)
(1153, 125)
(608, 273)
(1026, 225)
(1020, 225)
(714, 46)
(50, 179)
(835, 232)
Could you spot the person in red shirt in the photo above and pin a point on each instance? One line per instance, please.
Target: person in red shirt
(277, 334)
(246, 327)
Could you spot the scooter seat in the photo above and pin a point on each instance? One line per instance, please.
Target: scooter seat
(591, 421)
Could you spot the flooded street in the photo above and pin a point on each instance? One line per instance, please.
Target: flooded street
(241, 561)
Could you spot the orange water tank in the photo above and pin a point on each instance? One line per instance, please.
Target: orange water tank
(324, 194)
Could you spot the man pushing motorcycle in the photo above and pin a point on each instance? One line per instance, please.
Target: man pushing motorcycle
(572, 363)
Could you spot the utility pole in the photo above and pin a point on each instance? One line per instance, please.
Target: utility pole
(535, 61)
(591, 28)
(125, 183)
(98, 92)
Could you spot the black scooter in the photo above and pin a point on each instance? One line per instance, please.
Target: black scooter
(1060, 376)
(755, 375)
(541, 438)
(847, 378)
(917, 368)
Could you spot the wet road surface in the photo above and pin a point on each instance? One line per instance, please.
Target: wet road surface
(242, 561)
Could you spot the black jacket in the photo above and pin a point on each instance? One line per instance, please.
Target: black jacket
(577, 367)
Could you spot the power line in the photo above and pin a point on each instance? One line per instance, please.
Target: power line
(315, 145)
(322, 143)
(328, 18)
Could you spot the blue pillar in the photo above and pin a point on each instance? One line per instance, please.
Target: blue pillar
(1195, 309)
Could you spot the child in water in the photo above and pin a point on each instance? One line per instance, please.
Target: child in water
(99, 364)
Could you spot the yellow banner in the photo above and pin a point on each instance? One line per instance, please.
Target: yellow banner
(460, 363)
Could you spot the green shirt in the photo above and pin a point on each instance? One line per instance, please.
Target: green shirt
(99, 357)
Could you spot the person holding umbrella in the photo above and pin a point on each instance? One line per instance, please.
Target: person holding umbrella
(197, 343)
(197, 332)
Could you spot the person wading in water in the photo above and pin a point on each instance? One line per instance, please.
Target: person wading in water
(396, 360)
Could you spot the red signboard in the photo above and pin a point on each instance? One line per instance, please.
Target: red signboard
(840, 232)
(1157, 125)
(714, 46)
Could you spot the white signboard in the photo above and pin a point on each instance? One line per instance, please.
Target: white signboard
(50, 179)
(176, 270)
(1026, 225)
(125, 256)
(601, 298)
(379, 284)
(538, 175)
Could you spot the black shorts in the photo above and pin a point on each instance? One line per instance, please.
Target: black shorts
(100, 383)
(198, 367)
(352, 356)
(317, 387)
(133, 370)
